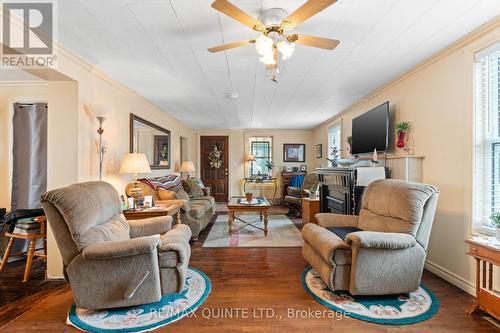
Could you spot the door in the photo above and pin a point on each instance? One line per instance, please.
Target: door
(214, 165)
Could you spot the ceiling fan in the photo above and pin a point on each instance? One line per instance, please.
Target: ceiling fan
(273, 25)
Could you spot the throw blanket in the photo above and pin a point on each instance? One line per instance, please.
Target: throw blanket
(296, 181)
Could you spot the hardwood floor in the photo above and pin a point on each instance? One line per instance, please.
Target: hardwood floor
(244, 279)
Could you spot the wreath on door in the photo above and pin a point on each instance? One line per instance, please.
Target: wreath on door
(215, 158)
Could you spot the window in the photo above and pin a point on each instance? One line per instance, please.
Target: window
(333, 140)
(261, 148)
(486, 139)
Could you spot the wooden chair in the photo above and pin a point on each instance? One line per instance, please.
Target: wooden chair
(31, 249)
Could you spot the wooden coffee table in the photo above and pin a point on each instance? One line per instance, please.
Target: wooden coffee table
(239, 205)
(170, 209)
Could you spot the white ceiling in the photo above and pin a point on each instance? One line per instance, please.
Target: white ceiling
(158, 48)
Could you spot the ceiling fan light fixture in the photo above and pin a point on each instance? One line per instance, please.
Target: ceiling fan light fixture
(286, 49)
(264, 45)
(268, 59)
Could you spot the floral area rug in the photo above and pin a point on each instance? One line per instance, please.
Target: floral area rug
(145, 317)
(404, 309)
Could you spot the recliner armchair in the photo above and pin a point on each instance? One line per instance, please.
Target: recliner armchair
(111, 262)
(382, 251)
(295, 194)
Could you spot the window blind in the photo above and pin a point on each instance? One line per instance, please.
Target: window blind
(333, 140)
(486, 139)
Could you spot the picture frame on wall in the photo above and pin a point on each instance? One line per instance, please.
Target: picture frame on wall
(294, 152)
(319, 150)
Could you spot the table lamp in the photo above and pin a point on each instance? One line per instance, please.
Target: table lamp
(251, 160)
(187, 167)
(135, 163)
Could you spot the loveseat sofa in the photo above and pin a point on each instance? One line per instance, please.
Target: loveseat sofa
(198, 209)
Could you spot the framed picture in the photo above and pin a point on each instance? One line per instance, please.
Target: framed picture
(319, 150)
(294, 152)
(303, 168)
(161, 150)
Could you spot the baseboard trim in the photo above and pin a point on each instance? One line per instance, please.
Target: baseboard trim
(451, 277)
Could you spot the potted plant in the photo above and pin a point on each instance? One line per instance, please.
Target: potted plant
(313, 192)
(349, 144)
(249, 197)
(402, 128)
(270, 166)
(495, 219)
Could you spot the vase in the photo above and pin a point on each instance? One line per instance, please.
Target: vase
(401, 139)
(249, 197)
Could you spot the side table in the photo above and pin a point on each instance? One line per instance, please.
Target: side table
(171, 209)
(310, 207)
(488, 251)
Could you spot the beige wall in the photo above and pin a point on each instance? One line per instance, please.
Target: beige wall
(72, 139)
(437, 98)
(239, 150)
(9, 94)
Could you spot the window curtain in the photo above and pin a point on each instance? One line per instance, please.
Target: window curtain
(29, 155)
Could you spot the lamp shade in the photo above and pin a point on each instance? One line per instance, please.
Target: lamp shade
(187, 166)
(135, 163)
(102, 111)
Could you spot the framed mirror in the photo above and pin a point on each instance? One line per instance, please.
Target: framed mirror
(152, 140)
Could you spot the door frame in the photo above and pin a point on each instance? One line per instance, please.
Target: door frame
(199, 157)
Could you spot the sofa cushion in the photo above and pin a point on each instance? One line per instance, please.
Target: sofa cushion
(392, 205)
(166, 194)
(182, 195)
(192, 188)
(342, 232)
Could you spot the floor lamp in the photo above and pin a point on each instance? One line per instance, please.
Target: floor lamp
(101, 112)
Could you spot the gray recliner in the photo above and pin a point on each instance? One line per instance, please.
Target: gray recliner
(111, 262)
(382, 251)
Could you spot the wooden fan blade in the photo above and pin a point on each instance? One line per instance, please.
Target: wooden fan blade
(271, 67)
(233, 45)
(322, 43)
(304, 12)
(234, 12)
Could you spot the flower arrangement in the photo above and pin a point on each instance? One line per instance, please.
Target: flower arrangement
(401, 129)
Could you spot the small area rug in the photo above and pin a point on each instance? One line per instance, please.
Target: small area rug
(281, 233)
(405, 309)
(145, 317)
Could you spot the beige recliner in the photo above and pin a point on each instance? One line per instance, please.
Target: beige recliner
(382, 251)
(111, 262)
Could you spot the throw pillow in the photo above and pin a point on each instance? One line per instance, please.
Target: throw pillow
(192, 188)
(182, 195)
(166, 194)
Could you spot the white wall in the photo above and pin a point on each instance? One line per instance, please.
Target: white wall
(437, 98)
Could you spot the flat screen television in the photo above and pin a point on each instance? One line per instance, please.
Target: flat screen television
(370, 130)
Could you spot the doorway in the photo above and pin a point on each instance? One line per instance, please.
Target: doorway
(214, 164)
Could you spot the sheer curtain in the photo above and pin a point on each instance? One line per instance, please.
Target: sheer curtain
(29, 155)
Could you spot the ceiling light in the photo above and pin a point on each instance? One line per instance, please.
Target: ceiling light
(268, 59)
(264, 45)
(286, 49)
